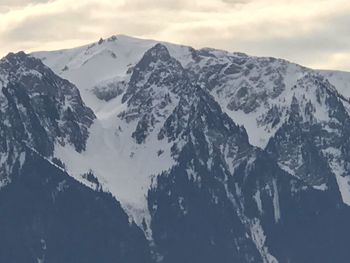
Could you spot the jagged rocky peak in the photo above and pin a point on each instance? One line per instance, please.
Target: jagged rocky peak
(13, 63)
(156, 85)
(158, 52)
(157, 68)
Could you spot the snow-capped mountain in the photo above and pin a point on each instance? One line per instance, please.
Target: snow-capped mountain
(216, 156)
(257, 93)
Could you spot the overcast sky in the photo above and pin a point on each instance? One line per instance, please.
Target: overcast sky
(314, 33)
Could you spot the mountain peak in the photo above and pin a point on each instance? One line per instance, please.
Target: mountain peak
(22, 58)
(21, 65)
(160, 51)
(11, 55)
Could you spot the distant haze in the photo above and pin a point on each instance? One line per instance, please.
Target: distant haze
(314, 33)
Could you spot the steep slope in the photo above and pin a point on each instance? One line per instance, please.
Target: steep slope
(122, 142)
(38, 109)
(47, 216)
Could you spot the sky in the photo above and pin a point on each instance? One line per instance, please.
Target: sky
(314, 33)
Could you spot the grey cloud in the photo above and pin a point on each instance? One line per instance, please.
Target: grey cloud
(77, 24)
(331, 35)
(18, 3)
(49, 28)
(133, 5)
(235, 2)
(205, 6)
(326, 37)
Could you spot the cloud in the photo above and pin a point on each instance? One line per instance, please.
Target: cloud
(63, 24)
(314, 32)
(6, 5)
(20, 2)
(235, 2)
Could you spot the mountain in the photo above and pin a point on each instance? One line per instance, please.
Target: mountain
(172, 154)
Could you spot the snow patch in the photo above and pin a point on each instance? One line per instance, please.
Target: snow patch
(344, 187)
(276, 204)
(259, 238)
(337, 166)
(322, 187)
(257, 199)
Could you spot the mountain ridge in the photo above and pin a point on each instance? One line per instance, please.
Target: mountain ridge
(222, 156)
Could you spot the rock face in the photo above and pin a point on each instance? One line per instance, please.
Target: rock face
(38, 109)
(156, 84)
(214, 157)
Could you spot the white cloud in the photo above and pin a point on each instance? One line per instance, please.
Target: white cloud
(314, 32)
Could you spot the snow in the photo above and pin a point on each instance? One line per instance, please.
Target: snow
(322, 187)
(276, 204)
(284, 166)
(337, 166)
(259, 238)
(4, 182)
(3, 80)
(123, 167)
(339, 79)
(192, 175)
(62, 186)
(22, 158)
(344, 187)
(181, 203)
(258, 135)
(257, 199)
